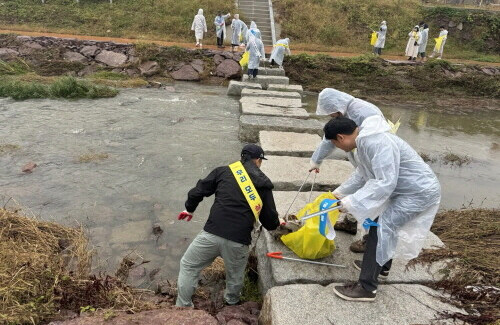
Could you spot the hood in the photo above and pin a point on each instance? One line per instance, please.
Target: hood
(373, 125)
(332, 101)
(384, 23)
(259, 179)
(253, 25)
(287, 41)
(200, 12)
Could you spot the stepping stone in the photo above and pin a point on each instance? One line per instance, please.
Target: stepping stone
(395, 304)
(235, 87)
(256, 109)
(251, 125)
(288, 143)
(288, 173)
(294, 88)
(268, 93)
(264, 81)
(281, 272)
(273, 101)
(271, 72)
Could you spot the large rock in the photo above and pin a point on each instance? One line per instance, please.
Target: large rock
(288, 143)
(186, 73)
(228, 69)
(288, 173)
(74, 57)
(198, 65)
(251, 125)
(268, 93)
(294, 88)
(6, 53)
(112, 59)
(29, 48)
(218, 59)
(235, 87)
(166, 316)
(314, 304)
(149, 68)
(89, 51)
(265, 81)
(271, 72)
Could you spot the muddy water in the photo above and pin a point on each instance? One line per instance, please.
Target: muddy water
(158, 142)
(436, 134)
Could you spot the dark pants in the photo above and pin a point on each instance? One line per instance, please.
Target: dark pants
(377, 50)
(220, 40)
(253, 72)
(370, 269)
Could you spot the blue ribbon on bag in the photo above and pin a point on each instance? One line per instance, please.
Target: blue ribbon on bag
(324, 221)
(369, 223)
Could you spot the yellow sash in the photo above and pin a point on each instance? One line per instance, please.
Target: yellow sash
(281, 44)
(247, 188)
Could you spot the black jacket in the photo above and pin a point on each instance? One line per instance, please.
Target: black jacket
(230, 216)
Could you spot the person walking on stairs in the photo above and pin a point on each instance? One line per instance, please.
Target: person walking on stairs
(243, 198)
(392, 191)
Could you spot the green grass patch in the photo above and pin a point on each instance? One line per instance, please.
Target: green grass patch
(110, 75)
(64, 87)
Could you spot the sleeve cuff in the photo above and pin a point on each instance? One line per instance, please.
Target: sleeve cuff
(313, 164)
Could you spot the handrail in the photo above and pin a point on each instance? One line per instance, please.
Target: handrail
(271, 17)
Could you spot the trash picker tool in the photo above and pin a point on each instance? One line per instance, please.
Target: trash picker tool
(278, 255)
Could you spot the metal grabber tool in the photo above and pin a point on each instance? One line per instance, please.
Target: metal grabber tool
(279, 255)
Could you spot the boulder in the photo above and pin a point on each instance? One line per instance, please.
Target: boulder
(22, 38)
(90, 69)
(187, 73)
(74, 57)
(112, 59)
(218, 59)
(165, 316)
(235, 87)
(236, 315)
(29, 47)
(89, 51)
(452, 24)
(228, 69)
(197, 64)
(6, 53)
(149, 68)
(460, 26)
(227, 55)
(132, 72)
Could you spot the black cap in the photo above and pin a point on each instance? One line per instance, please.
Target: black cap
(254, 151)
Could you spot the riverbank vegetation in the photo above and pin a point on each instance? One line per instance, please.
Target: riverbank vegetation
(472, 277)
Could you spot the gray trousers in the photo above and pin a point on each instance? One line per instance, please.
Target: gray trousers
(200, 254)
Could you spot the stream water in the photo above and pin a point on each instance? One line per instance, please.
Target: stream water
(155, 144)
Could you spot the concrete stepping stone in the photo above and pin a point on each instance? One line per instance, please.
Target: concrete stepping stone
(251, 125)
(273, 101)
(235, 87)
(256, 109)
(294, 88)
(288, 143)
(271, 72)
(395, 304)
(288, 173)
(264, 81)
(268, 93)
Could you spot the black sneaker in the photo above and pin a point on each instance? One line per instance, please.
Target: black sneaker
(350, 227)
(355, 292)
(382, 276)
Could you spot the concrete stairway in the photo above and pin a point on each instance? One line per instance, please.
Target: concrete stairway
(258, 11)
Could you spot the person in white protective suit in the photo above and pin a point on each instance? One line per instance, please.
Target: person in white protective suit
(337, 104)
(423, 43)
(281, 48)
(256, 49)
(237, 29)
(443, 33)
(392, 191)
(220, 28)
(199, 26)
(380, 43)
(415, 38)
(253, 27)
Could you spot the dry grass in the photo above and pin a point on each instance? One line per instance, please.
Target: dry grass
(215, 271)
(45, 268)
(453, 159)
(472, 239)
(92, 157)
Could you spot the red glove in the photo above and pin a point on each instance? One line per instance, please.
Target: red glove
(184, 214)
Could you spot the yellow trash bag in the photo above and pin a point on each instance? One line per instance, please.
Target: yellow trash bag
(307, 242)
(439, 41)
(374, 38)
(244, 59)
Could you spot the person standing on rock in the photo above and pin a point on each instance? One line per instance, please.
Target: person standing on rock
(281, 48)
(257, 52)
(413, 44)
(338, 104)
(199, 26)
(237, 29)
(423, 43)
(440, 41)
(220, 28)
(393, 192)
(243, 197)
(380, 43)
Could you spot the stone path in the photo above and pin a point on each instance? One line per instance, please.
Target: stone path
(300, 293)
